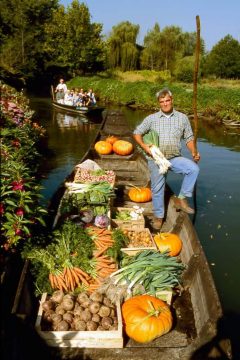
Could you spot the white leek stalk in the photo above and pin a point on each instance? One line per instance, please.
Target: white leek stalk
(160, 160)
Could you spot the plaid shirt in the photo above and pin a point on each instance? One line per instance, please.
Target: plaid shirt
(170, 131)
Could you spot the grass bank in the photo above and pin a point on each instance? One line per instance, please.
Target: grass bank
(218, 100)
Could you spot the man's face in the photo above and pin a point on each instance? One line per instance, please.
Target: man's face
(166, 103)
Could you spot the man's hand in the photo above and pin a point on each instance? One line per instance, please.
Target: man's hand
(196, 156)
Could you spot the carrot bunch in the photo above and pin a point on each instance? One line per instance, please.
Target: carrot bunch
(104, 264)
(69, 279)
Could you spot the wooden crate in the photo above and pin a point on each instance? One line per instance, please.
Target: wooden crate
(131, 251)
(127, 224)
(81, 339)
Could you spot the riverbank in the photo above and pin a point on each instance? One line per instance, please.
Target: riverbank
(217, 101)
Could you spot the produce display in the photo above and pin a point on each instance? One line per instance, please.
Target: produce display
(146, 318)
(86, 270)
(148, 272)
(82, 312)
(140, 238)
(112, 139)
(86, 176)
(103, 147)
(122, 147)
(78, 258)
(168, 242)
(125, 214)
(140, 195)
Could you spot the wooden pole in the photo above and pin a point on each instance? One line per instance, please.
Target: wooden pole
(195, 80)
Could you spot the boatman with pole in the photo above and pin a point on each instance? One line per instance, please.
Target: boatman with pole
(170, 126)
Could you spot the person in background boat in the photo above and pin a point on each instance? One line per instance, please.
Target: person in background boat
(171, 126)
(92, 99)
(68, 98)
(60, 91)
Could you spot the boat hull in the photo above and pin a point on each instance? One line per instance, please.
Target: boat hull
(197, 311)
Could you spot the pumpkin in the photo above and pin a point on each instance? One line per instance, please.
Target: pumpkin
(103, 147)
(146, 318)
(168, 242)
(140, 195)
(122, 147)
(111, 139)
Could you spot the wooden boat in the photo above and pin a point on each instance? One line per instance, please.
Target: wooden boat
(197, 311)
(81, 110)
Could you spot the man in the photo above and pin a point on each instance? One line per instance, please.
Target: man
(61, 86)
(171, 126)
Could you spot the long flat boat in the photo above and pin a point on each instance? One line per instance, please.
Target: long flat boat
(197, 310)
(81, 110)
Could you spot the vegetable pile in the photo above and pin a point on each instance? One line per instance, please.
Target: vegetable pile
(83, 312)
(86, 176)
(148, 272)
(141, 238)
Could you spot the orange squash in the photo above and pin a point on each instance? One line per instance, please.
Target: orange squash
(111, 139)
(103, 147)
(122, 147)
(146, 318)
(168, 242)
(140, 195)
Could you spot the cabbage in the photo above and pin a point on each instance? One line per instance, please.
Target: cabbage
(102, 221)
(86, 216)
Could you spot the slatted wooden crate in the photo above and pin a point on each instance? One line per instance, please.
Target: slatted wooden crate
(81, 339)
(131, 251)
(132, 224)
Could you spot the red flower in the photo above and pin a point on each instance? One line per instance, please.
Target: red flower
(17, 185)
(18, 231)
(1, 209)
(16, 143)
(19, 212)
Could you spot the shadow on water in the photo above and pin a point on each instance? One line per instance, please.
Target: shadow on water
(227, 329)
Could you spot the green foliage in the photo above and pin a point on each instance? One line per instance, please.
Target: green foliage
(184, 69)
(122, 49)
(224, 59)
(20, 191)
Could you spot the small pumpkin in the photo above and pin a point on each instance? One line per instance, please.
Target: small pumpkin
(122, 147)
(103, 147)
(168, 242)
(111, 139)
(146, 318)
(140, 195)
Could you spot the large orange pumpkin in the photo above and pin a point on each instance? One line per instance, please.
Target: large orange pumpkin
(122, 147)
(111, 139)
(168, 242)
(103, 147)
(140, 195)
(146, 318)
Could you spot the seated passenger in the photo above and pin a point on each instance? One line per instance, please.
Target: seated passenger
(92, 98)
(68, 98)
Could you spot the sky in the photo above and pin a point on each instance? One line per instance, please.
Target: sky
(218, 18)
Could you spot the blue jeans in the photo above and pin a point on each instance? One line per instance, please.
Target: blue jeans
(180, 165)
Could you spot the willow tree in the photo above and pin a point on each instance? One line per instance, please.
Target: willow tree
(151, 56)
(171, 45)
(122, 47)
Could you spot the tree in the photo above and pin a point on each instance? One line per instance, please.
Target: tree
(22, 34)
(151, 57)
(224, 59)
(122, 48)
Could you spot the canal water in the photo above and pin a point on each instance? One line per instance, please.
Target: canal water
(217, 192)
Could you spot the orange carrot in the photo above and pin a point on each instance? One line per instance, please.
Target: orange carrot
(100, 252)
(81, 272)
